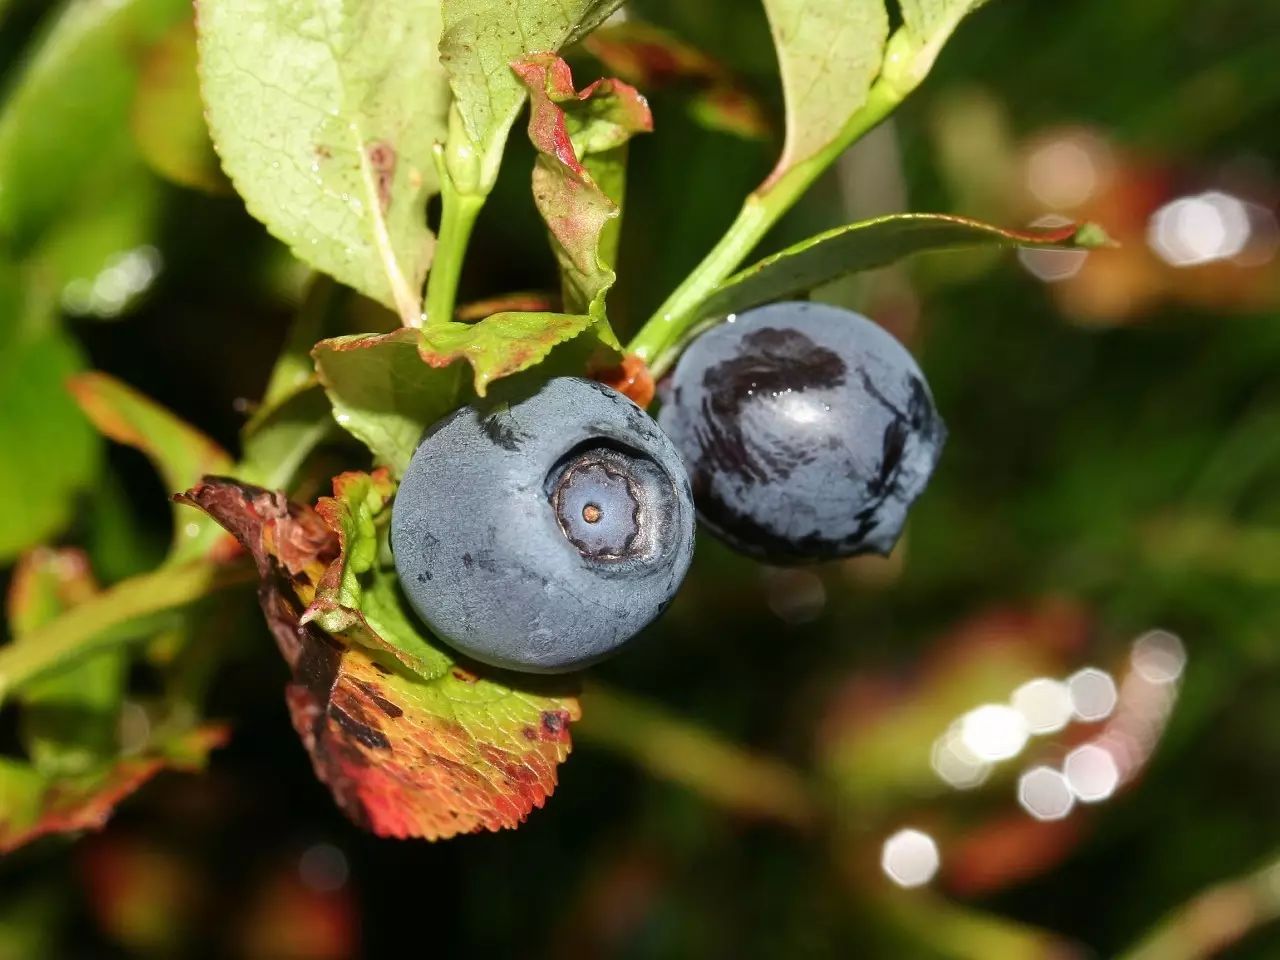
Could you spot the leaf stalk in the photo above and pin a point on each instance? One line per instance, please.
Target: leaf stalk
(659, 341)
(458, 214)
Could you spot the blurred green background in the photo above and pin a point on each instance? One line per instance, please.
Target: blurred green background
(1111, 471)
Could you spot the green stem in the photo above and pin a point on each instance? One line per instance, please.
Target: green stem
(1215, 919)
(659, 339)
(129, 611)
(952, 930)
(679, 751)
(457, 217)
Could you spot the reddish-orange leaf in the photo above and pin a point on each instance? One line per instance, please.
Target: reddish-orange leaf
(180, 452)
(408, 758)
(653, 59)
(566, 126)
(34, 806)
(1008, 850)
(530, 302)
(410, 742)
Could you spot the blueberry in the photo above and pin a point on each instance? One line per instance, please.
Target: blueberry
(544, 533)
(808, 431)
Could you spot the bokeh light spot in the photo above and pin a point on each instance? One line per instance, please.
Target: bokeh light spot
(1158, 656)
(1091, 772)
(1199, 229)
(1093, 694)
(994, 731)
(910, 858)
(1045, 793)
(1061, 173)
(1045, 704)
(1052, 266)
(117, 286)
(955, 764)
(323, 868)
(794, 596)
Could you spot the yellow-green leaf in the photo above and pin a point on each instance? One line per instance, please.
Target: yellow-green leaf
(326, 117)
(502, 344)
(930, 23)
(482, 38)
(383, 393)
(829, 52)
(33, 805)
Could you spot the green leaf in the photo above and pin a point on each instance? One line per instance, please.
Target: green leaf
(103, 258)
(501, 344)
(179, 452)
(167, 118)
(326, 120)
(34, 806)
(652, 59)
(126, 612)
(30, 919)
(608, 170)
(426, 754)
(383, 393)
(68, 721)
(358, 598)
(64, 132)
(569, 129)
(59, 451)
(118, 544)
(929, 24)
(481, 39)
(358, 499)
(927, 19)
(829, 52)
(1201, 927)
(386, 389)
(74, 192)
(294, 369)
(294, 416)
(876, 243)
(284, 436)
